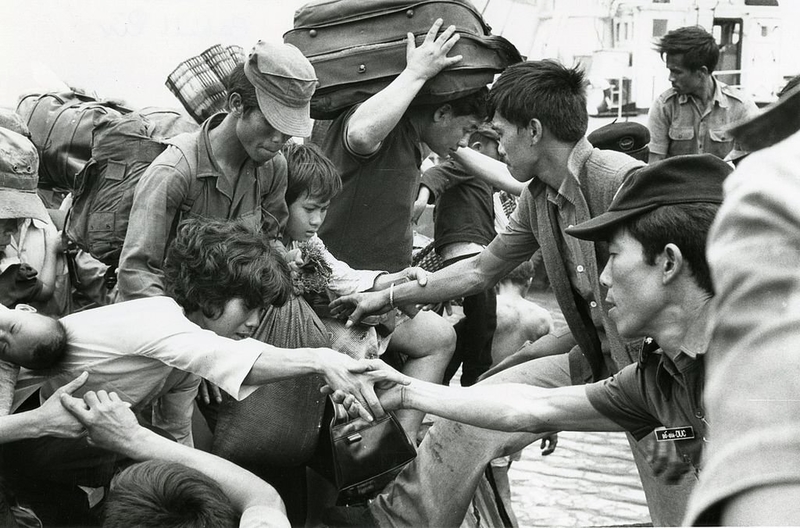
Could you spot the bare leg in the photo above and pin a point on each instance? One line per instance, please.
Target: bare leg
(428, 341)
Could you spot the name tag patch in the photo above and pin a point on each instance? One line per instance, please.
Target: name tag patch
(674, 433)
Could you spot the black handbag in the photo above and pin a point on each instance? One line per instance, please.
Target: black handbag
(359, 457)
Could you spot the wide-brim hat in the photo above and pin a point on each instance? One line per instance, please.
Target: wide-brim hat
(694, 178)
(284, 80)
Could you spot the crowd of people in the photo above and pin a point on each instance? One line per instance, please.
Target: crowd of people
(262, 274)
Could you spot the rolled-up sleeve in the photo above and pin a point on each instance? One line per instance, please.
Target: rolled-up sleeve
(622, 398)
(274, 211)
(658, 122)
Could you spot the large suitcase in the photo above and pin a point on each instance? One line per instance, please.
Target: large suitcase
(357, 48)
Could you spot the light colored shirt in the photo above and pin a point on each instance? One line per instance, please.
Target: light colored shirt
(753, 369)
(679, 125)
(28, 246)
(148, 352)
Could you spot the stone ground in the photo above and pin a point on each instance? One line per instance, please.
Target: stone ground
(590, 479)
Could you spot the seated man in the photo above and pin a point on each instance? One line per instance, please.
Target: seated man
(658, 288)
(175, 486)
(153, 351)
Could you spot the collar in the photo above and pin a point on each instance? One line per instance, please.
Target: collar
(718, 98)
(570, 188)
(206, 164)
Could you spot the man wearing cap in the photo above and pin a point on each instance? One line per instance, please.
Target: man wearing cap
(231, 168)
(540, 115)
(658, 287)
(694, 114)
(31, 267)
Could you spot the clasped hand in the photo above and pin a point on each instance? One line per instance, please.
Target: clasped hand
(375, 378)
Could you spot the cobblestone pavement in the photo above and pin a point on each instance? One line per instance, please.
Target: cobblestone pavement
(590, 479)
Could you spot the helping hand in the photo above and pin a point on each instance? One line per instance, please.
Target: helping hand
(55, 417)
(109, 421)
(358, 392)
(431, 57)
(357, 306)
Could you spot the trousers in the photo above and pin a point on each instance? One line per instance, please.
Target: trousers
(437, 487)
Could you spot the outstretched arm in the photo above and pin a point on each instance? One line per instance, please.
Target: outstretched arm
(112, 425)
(339, 370)
(462, 278)
(377, 116)
(490, 170)
(503, 407)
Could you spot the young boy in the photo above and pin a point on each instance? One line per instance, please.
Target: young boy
(313, 182)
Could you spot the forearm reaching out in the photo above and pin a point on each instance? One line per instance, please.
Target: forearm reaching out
(503, 407)
(490, 170)
(340, 372)
(112, 425)
(457, 280)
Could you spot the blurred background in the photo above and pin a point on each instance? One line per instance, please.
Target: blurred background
(126, 49)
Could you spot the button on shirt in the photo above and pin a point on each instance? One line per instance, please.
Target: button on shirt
(679, 125)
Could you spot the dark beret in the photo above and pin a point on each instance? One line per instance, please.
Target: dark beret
(629, 137)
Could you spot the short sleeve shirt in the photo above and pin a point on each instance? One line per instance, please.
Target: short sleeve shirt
(369, 221)
(653, 393)
(678, 125)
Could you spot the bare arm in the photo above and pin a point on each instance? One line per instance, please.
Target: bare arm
(462, 278)
(504, 407)
(340, 372)
(377, 116)
(49, 419)
(47, 275)
(112, 425)
(490, 170)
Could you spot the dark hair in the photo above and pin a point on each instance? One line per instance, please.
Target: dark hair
(309, 172)
(545, 90)
(697, 46)
(521, 276)
(686, 226)
(156, 494)
(211, 262)
(794, 81)
(473, 104)
(237, 82)
(50, 348)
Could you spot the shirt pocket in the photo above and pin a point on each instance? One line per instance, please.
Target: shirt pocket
(721, 143)
(682, 141)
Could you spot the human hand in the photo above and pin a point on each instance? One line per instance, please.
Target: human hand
(357, 385)
(108, 420)
(548, 444)
(207, 392)
(357, 306)
(431, 57)
(294, 258)
(55, 418)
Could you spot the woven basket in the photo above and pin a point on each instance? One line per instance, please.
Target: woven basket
(199, 82)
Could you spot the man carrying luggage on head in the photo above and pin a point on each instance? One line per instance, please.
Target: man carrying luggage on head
(231, 168)
(376, 146)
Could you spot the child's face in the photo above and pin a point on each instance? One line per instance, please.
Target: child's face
(7, 228)
(305, 216)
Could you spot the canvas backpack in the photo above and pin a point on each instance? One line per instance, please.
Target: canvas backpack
(122, 149)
